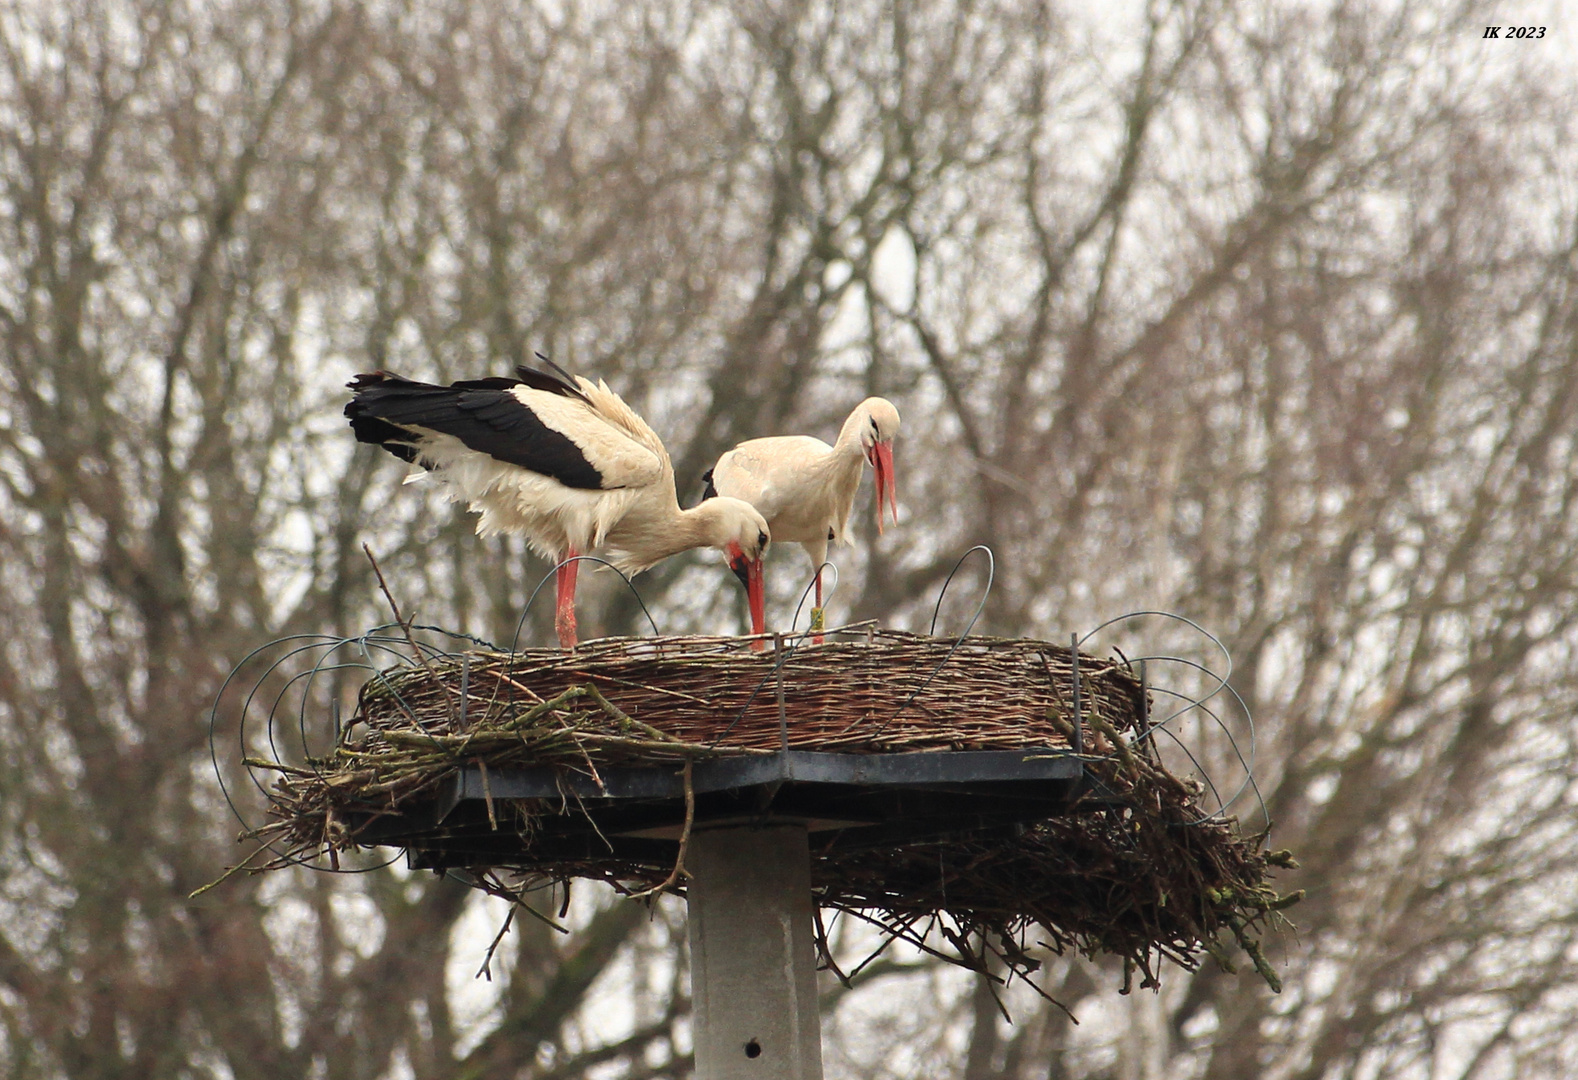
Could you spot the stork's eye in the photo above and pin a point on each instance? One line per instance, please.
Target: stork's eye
(874, 429)
(761, 540)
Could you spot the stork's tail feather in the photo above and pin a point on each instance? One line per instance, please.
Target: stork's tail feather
(368, 424)
(382, 401)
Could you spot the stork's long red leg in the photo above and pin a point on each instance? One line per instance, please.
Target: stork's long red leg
(564, 609)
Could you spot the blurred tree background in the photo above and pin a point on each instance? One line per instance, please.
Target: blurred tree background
(1265, 313)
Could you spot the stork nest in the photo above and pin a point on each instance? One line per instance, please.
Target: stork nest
(1143, 872)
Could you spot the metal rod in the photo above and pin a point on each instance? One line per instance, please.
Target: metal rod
(1079, 733)
(1147, 747)
(783, 715)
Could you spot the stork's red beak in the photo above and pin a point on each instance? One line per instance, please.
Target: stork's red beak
(881, 457)
(749, 571)
(756, 596)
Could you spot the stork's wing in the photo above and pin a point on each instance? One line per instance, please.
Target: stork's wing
(612, 409)
(545, 431)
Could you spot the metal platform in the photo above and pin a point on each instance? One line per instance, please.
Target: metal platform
(846, 801)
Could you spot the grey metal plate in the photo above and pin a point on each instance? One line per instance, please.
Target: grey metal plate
(909, 770)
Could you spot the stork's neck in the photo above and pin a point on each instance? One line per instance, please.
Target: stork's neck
(701, 526)
(657, 528)
(850, 444)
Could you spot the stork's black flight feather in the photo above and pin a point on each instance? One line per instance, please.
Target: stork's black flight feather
(558, 381)
(482, 413)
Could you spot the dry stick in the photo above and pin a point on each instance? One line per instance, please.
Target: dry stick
(678, 749)
(587, 814)
(625, 719)
(486, 970)
(596, 776)
(261, 763)
(684, 842)
(480, 733)
(442, 742)
(487, 796)
(222, 878)
(423, 740)
(825, 947)
(641, 686)
(1119, 743)
(327, 843)
(559, 700)
(511, 682)
(405, 625)
(683, 749)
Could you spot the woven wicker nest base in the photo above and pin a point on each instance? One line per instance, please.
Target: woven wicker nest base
(1116, 857)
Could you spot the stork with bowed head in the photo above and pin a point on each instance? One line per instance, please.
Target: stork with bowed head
(563, 462)
(806, 488)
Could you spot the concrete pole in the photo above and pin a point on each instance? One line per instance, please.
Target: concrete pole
(752, 961)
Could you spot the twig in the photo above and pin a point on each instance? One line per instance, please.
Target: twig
(643, 686)
(625, 718)
(503, 678)
(486, 969)
(683, 749)
(294, 770)
(825, 947)
(405, 625)
(487, 795)
(684, 841)
(222, 878)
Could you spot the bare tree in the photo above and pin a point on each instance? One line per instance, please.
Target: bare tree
(1264, 314)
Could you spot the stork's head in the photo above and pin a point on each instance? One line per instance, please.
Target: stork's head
(879, 423)
(743, 536)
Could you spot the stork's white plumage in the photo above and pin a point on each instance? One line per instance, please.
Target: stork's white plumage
(561, 461)
(806, 488)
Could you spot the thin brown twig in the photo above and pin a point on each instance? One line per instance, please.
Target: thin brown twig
(684, 842)
(486, 970)
(402, 622)
(487, 795)
(222, 878)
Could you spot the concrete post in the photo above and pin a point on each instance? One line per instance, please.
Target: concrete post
(752, 961)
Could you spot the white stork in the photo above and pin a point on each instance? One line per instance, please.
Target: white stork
(563, 462)
(806, 488)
